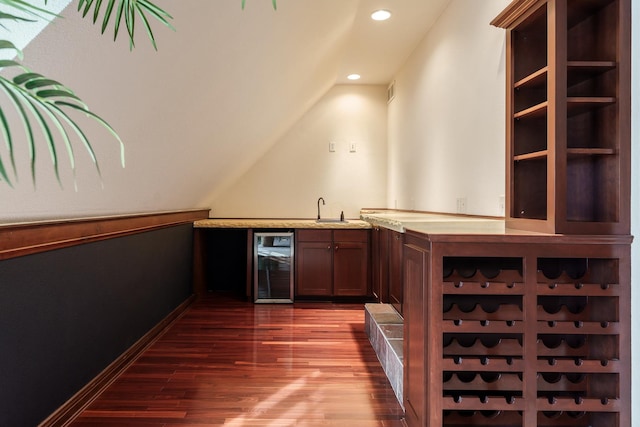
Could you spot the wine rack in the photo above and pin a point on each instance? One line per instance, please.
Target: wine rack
(568, 310)
(482, 337)
(578, 341)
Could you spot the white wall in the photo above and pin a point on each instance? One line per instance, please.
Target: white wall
(287, 181)
(194, 115)
(446, 123)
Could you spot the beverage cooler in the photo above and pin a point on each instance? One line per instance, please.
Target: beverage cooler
(273, 267)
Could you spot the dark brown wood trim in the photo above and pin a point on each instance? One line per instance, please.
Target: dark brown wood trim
(33, 237)
(511, 13)
(66, 413)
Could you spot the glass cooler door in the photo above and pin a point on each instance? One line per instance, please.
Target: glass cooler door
(273, 267)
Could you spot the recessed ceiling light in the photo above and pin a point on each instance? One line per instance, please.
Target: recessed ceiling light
(381, 15)
(353, 76)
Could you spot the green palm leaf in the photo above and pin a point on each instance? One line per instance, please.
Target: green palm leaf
(273, 2)
(28, 8)
(46, 103)
(10, 89)
(7, 136)
(35, 97)
(127, 9)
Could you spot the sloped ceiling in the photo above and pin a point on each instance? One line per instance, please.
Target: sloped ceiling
(218, 93)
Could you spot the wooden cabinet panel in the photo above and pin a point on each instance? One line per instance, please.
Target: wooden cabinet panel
(350, 268)
(395, 285)
(314, 268)
(415, 274)
(332, 263)
(376, 262)
(314, 235)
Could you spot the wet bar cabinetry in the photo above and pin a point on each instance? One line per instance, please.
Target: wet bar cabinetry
(517, 330)
(568, 115)
(386, 246)
(332, 263)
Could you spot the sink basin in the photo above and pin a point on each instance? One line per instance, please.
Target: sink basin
(331, 220)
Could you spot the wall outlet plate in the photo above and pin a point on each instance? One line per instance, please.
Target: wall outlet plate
(461, 205)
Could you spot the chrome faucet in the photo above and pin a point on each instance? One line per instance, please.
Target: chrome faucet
(320, 198)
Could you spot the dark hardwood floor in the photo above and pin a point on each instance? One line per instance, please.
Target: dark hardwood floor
(233, 363)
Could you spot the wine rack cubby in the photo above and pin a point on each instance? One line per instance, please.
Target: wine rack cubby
(578, 341)
(539, 339)
(482, 337)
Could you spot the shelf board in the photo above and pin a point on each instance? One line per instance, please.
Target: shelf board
(575, 105)
(531, 156)
(591, 151)
(570, 152)
(579, 71)
(539, 110)
(578, 105)
(595, 66)
(537, 78)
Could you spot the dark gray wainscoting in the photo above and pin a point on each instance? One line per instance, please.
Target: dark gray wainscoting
(68, 313)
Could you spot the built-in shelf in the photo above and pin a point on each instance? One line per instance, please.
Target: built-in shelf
(579, 105)
(591, 151)
(538, 110)
(569, 111)
(531, 156)
(579, 71)
(535, 79)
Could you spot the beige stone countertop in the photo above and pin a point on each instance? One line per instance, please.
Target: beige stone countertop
(436, 223)
(280, 223)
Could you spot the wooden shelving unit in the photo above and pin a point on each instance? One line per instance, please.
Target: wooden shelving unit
(568, 115)
(517, 331)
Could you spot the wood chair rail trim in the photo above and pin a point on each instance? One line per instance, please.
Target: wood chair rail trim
(34, 237)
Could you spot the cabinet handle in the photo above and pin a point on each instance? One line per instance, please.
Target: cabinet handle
(337, 247)
(329, 247)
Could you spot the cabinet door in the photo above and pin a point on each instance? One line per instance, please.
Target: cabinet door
(415, 376)
(395, 270)
(380, 263)
(351, 268)
(314, 269)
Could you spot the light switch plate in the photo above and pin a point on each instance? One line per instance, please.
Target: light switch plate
(352, 147)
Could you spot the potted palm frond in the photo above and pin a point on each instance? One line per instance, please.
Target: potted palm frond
(47, 106)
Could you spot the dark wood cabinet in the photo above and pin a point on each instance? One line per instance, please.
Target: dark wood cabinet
(416, 274)
(568, 115)
(396, 296)
(314, 270)
(387, 266)
(380, 263)
(517, 330)
(332, 263)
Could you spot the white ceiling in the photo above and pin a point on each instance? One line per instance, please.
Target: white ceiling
(376, 50)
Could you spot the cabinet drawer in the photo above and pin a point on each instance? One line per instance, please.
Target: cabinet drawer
(351, 236)
(313, 235)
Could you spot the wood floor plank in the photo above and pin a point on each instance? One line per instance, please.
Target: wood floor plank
(231, 363)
